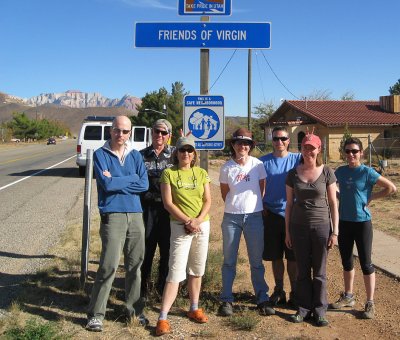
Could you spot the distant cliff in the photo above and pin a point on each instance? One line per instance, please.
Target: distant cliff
(78, 99)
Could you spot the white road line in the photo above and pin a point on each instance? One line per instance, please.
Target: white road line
(36, 173)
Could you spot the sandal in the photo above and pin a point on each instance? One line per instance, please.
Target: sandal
(163, 327)
(198, 316)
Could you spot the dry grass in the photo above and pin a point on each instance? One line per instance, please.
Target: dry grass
(54, 295)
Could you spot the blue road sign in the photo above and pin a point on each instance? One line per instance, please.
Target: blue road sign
(204, 117)
(205, 7)
(203, 34)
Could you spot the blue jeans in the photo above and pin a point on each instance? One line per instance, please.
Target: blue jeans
(253, 230)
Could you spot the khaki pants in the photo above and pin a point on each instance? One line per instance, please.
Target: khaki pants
(120, 231)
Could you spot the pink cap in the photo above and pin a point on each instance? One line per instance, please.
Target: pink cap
(311, 139)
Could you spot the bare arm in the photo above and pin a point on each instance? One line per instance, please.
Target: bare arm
(262, 187)
(288, 213)
(193, 225)
(169, 205)
(224, 190)
(333, 207)
(388, 188)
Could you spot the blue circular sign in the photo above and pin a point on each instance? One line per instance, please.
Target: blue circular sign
(204, 123)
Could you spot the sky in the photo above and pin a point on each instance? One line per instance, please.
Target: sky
(334, 46)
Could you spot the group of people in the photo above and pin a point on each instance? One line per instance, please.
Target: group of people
(284, 204)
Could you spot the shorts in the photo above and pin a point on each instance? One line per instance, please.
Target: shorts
(274, 238)
(188, 252)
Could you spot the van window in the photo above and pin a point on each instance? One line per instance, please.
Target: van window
(139, 134)
(92, 133)
(107, 132)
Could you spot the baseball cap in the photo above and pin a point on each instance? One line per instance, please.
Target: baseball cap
(243, 134)
(163, 124)
(311, 139)
(182, 141)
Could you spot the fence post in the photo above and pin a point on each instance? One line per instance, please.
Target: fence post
(86, 216)
(369, 150)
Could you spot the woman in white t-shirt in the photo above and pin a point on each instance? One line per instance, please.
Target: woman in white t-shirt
(242, 183)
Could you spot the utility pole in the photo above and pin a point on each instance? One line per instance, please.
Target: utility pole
(204, 83)
(249, 90)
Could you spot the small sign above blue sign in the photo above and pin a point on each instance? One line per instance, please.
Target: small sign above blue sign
(205, 7)
(203, 34)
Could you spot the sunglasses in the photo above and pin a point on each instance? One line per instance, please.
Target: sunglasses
(282, 139)
(163, 132)
(188, 150)
(353, 151)
(118, 131)
(243, 142)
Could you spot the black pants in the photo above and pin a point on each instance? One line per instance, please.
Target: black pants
(361, 234)
(158, 232)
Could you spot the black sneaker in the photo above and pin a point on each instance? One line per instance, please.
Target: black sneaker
(296, 318)
(265, 308)
(94, 325)
(320, 321)
(225, 309)
(278, 297)
(143, 321)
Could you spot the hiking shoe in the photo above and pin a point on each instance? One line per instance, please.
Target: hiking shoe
(292, 302)
(163, 327)
(296, 318)
(265, 308)
(143, 321)
(198, 316)
(278, 297)
(369, 311)
(225, 309)
(320, 321)
(94, 325)
(344, 301)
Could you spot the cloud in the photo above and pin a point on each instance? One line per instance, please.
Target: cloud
(149, 4)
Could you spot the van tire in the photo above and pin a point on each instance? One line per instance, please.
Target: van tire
(82, 171)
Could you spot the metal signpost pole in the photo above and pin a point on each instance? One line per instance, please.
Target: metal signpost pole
(86, 217)
(204, 83)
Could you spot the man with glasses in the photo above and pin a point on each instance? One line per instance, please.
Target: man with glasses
(121, 176)
(157, 157)
(277, 165)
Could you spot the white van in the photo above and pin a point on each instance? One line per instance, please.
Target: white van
(95, 131)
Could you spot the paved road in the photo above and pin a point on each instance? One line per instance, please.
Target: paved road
(35, 210)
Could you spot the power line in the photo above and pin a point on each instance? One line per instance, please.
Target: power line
(259, 75)
(278, 77)
(226, 65)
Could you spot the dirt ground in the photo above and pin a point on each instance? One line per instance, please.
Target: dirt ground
(58, 299)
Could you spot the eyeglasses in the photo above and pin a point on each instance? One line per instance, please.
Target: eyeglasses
(163, 132)
(188, 150)
(118, 131)
(282, 139)
(353, 151)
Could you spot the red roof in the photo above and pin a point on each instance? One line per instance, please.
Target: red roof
(339, 112)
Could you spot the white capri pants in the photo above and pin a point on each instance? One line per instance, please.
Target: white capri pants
(187, 252)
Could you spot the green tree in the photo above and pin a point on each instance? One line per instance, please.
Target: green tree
(263, 111)
(395, 89)
(156, 100)
(346, 135)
